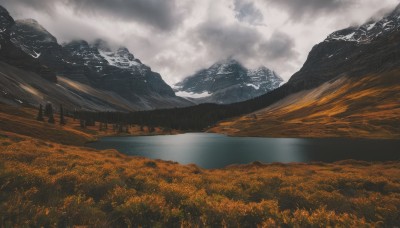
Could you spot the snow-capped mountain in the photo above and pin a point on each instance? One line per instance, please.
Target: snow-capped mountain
(351, 51)
(94, 64)
(228, 81)
(116, 70)
(370, 30)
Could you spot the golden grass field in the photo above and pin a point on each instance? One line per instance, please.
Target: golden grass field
(45, 184)
(355, 108)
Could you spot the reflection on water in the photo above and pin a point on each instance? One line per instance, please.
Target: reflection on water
(217, 151)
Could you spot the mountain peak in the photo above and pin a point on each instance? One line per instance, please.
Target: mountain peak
(3, 11)
(28, 21)
(30, 29)
(263, 68)
(228, 81)
(80, 44)
(33, 24)
(6, 21)
(123, 51)
(229, 61)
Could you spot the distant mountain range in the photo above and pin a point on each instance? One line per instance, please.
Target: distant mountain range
(227, 82)
(28, 46)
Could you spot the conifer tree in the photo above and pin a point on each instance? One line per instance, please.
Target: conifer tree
(48, 109)
(50, 113)
(62, 119)
(40, 114)
(82, 123)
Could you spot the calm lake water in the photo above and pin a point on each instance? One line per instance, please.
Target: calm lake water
(217, 151)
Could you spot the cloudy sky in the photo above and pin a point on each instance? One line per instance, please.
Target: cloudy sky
(179, 37)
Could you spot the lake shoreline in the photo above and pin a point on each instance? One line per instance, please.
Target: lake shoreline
(212, 150)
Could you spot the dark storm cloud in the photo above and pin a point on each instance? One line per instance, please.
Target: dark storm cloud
(39, 5)
(244, 43)
(306, 9)
(279, 47)
(160, 14)
(247, 12)
(227, 40)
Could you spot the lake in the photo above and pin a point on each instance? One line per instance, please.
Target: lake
(218, 151)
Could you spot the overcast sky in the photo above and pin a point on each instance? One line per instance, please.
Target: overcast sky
(178, 37)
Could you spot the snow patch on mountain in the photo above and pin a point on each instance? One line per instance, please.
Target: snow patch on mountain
(121, 58)
(192, 95)
(257, 87)
(36, 55)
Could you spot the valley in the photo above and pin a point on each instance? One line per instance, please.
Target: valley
(316, 150)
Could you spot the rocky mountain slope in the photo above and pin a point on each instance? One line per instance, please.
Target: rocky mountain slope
(19, 87)
(228, 81)
(14, 55)
(94, 64)
(348, 87)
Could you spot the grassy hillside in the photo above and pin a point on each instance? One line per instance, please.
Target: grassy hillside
(22, 120)
(49, 184)
(366, 107)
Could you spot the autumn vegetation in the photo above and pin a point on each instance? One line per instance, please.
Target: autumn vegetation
(45, 183)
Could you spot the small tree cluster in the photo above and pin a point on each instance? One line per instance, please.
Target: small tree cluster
(49, 113)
